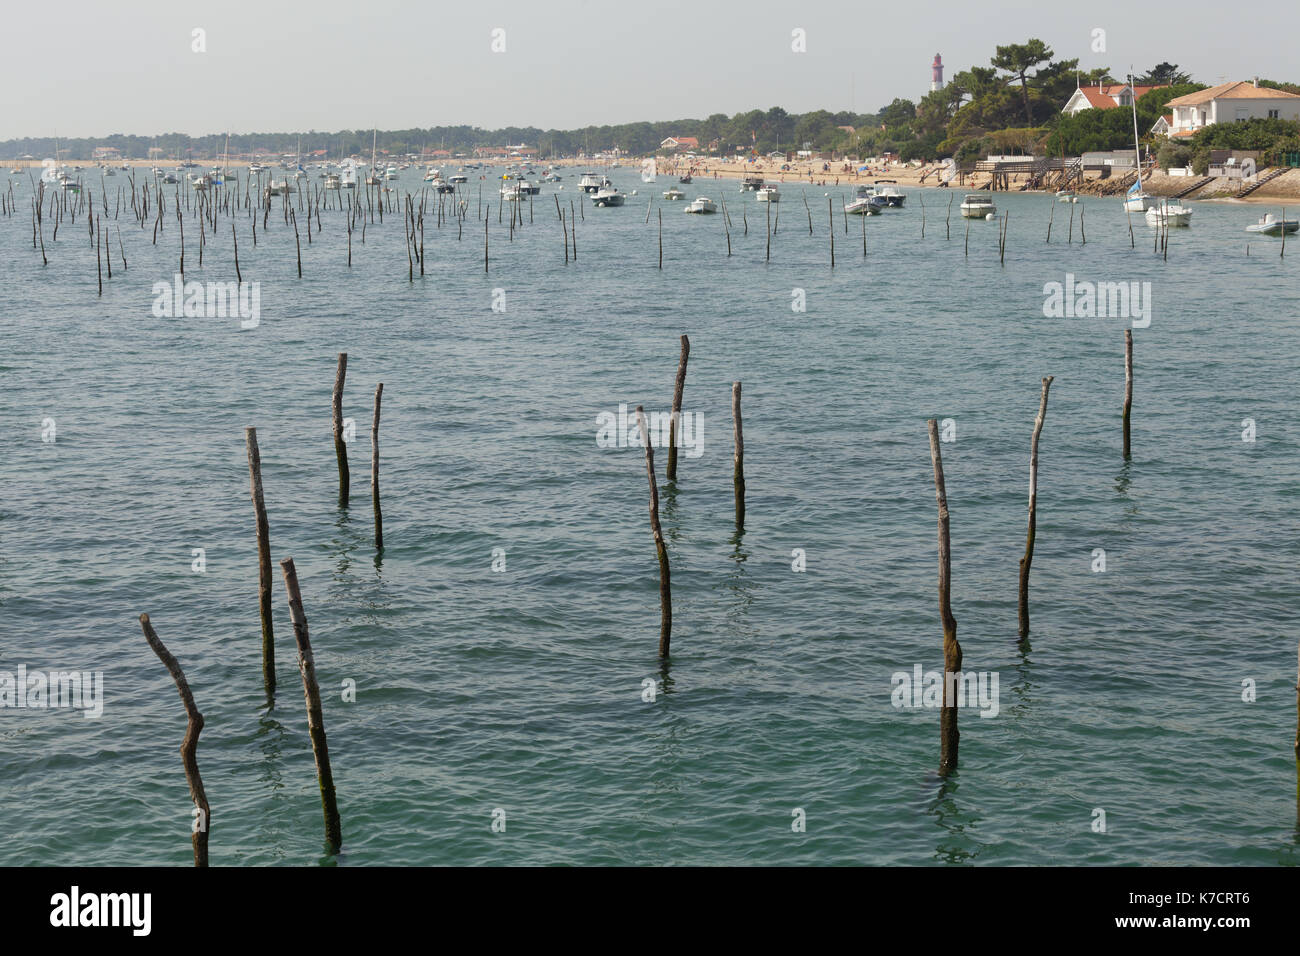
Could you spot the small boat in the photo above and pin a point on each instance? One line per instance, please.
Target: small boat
(201, 183)
(607, 195)
(333, 181)
(591, 182)
(702, 205)
(768, 194)
(977, 206)
(864, 206)
(442, 186)
(685, 180)
(752, 183)
(529, 189)
(1271, 225)
(169, 179)
(1171, 213)
(1066, 195)
(892, 197)
(16, 171)
(459, 178)
(280, 187)
(390, 172)
(432, 175)
(511, 192)
(673, 194)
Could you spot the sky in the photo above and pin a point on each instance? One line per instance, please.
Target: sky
(87, 68)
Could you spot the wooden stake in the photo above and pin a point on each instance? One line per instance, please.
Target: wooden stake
(661, 238)
(674, 423)
(263, 559)
(340, 446)
(374, 469)
(830, 212)
(1128, 385)
(948, 735)
(665, 589)
(315, 716)
(1033, 511)
(189, 746)
(738, 457)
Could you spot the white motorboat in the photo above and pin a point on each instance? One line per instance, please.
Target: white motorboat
(511, 192)
(977, 206)
(768, 194)
(333, 181)
(458, 178)
(1271, 225)
(1170, 213)
(703, 205)
(752, 183)
(864, 206)
(607, 196)
(390, 172)
(1066, 195)
(892, 197)
(591, 182)
(674, 194)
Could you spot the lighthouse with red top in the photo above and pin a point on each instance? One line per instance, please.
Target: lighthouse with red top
(936, 74)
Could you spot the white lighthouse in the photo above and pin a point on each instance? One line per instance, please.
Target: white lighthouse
(936, 73)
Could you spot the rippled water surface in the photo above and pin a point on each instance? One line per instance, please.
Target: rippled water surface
(522, 690)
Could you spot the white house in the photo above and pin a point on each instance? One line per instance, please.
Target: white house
(1230, 103)
(1104, 96)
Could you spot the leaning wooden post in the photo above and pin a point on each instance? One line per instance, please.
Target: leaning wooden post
(1033, 510)
(315, 717)
(738, 459)
(263, 559)
(340, 446)
(674, 423)
(665, 589)
(661, 238)
(189, 746)
(948, 735)
(1128, 385)
(374, 469)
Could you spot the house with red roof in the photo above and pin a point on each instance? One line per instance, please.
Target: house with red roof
(1105, 96)
(680, 142)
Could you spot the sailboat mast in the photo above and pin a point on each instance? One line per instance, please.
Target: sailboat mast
(1137, 148)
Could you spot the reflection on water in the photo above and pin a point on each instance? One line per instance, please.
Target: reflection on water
(955, 845)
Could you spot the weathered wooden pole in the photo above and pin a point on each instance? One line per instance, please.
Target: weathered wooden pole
(674, 423)
(661, 238)
(738, 456)
(830, 213)
(769, 232)
(340, 446)
(315, 716)
(948, 735)
(263, 559)
(374, 468)
(485, 239)
(189, 746)
(665, 589)
(1033, 511)
(1128, 385)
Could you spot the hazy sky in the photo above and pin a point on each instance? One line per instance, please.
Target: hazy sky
(91, 68)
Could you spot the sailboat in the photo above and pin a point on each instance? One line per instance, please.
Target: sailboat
(1137, 200)
(373, 178)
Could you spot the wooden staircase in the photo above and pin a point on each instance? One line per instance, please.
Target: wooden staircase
(1259, 181)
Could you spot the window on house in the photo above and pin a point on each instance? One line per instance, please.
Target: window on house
(1274, 114)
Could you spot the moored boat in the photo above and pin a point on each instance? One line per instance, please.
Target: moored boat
(703, 205)
(1271, 225)
(674, 194)
(768, 194)
(607, 195)
(977, 206)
